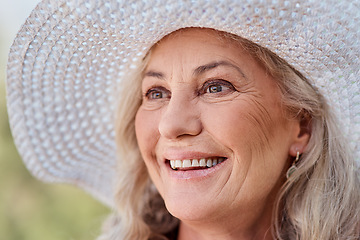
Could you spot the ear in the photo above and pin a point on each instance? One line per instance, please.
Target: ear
(302, 135)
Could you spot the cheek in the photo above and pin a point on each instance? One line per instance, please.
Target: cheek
(239, 121)
(255, 133)
(261, 124)
(146, 128)
(147, 134)
(256, 136)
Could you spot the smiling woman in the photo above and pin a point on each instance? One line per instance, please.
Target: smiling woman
(220, 122)
(204, 111)
(226, 123)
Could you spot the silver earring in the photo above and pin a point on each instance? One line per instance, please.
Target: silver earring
(293, 167)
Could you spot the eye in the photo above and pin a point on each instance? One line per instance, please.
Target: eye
(157, 93)
(217, 86)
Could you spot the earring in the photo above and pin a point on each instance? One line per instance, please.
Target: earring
(293, 167)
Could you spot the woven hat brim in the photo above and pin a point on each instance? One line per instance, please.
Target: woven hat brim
(69, 60)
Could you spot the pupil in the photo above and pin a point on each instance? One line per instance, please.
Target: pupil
(214, 89)
(157, 95)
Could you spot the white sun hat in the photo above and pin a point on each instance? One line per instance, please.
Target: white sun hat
(69, 60)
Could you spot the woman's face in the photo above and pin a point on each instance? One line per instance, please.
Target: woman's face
(212, 130)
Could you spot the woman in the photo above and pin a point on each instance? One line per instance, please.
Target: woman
(228, 124)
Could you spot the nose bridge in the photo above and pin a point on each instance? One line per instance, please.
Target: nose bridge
(180, 117)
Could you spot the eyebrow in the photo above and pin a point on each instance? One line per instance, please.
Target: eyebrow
(154, 74)
(201, 69)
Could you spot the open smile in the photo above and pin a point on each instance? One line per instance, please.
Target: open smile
(195, 164)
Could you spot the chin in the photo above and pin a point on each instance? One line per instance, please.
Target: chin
(192, 207)
(187, 211)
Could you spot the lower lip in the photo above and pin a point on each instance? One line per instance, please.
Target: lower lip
(194, 174)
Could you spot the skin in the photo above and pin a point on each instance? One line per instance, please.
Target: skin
(204, 96)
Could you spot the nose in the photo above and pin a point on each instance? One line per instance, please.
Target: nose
(180, 118)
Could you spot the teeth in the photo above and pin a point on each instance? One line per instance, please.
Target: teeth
(188, 163)
(172, 164)
(195, 163)
(214, 161)
(202, 162)
(178, 163)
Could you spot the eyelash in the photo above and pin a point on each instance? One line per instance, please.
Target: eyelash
(203, 90)
(216, 82)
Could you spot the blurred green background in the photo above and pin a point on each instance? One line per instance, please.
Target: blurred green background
(30, 209)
